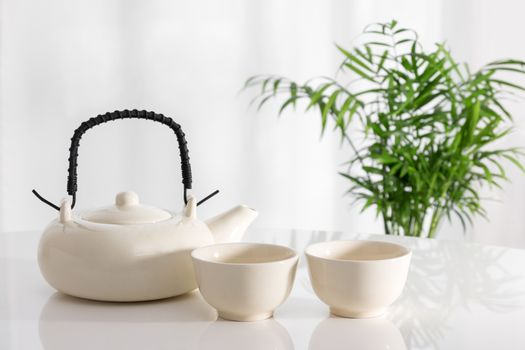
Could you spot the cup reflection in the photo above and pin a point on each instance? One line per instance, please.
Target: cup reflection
(336, 333)
(267, 334)
(175, 323)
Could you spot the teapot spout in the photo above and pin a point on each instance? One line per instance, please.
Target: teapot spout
(231, 225)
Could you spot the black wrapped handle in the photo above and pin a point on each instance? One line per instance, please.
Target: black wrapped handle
(125, 114)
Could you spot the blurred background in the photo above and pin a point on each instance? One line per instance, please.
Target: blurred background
(62, 62)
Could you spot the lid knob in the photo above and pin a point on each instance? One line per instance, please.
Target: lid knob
(126, 211)
(125, 199)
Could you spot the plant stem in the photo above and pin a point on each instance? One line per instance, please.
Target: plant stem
(385, 223)
(436, 217)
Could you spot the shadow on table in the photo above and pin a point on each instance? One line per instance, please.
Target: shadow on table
(444, 277)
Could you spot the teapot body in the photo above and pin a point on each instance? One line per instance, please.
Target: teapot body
(110, 262)
(129, 251)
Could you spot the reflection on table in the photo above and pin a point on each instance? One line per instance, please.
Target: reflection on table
(453, 291)
(176, 323)
(336, 333)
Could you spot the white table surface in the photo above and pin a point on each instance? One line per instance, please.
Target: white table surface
(458, 296)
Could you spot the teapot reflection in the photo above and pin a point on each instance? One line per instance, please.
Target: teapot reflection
(267, 334)
(71, 323)
(365, 334)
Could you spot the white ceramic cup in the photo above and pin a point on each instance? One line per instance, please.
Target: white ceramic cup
(245, 281)
(358, 279)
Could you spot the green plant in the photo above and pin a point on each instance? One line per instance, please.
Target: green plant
(422, 127)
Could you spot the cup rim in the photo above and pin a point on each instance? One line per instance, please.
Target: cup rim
(195, 252)
(406, 251)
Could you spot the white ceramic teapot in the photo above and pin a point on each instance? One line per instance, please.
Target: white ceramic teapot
(129, 251)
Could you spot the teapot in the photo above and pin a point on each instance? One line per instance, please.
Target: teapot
(130, 251)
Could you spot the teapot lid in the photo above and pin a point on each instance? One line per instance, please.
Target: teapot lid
(126, 211)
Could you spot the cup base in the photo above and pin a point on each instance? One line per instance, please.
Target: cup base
(245, 318)
(356, 314)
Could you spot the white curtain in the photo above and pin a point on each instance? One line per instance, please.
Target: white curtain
(62, 62)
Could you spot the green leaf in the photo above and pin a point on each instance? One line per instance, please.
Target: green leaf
(250, 81)
(358, 71)
(318, 95)
(263, 101)
(515, 161)
(473, 119)
(352, 112)
(488, 174)
(387, 159)
(395, 169)
(377, 43)
(327, 108)
(264, 84)
(402, 30)
(382, 61)
(372, 170)
(286, 104)
(276, 86)
(449, 58)
(293, 89)
(507, 69)
(507, 62)
(404, 41)
(506, 83)
(341, 115)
